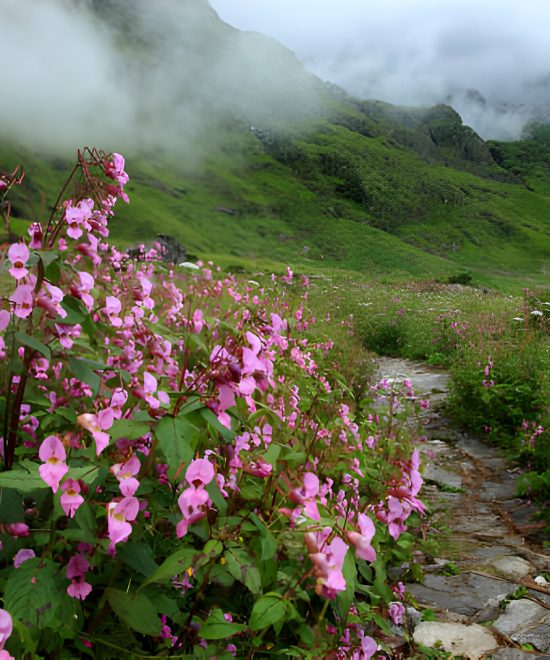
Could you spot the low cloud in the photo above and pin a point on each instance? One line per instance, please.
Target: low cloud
(137, 75)
(490, 60)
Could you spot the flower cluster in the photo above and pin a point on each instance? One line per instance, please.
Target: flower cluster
(182, 434)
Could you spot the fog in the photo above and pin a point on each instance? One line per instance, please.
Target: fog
(137, 75)
(490, 60)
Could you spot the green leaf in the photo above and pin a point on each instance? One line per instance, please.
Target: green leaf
(81, 370)
(177, 438)
(268, 610)
(215, 423)
(75, 309)
(345, 598)
(242, 568)
(216, 627)
(136, 611)
(139, 557)
(130, 429)
(267, 540)
(176, 563)
(215, 495)
(31, 593)
(26, 340)
(23, 480)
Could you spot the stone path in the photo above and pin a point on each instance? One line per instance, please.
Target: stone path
(482, 587)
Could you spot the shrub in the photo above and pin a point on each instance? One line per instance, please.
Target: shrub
(183, 470)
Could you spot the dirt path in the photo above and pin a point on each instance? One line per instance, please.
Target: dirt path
(482, 585)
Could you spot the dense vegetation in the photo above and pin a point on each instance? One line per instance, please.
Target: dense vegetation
(185, 469)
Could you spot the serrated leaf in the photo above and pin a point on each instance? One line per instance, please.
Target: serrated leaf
(81, 370)
(267, 610)
(139, 557)
(176, 563)
(345, 598)
(136, 611)
(130, 429)
(216, 627)
(177, 438)
(25, 481)
(267, 540)
(26, 340)
(31, 593)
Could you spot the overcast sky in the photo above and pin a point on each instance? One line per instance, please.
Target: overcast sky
(419, 51)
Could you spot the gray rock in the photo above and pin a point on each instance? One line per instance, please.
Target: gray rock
(513, 654)
(526, 622)
(467, 641)
(467, 594)
(441, 476)
(512, 567)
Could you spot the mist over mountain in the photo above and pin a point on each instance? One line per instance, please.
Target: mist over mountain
(489, 60)
(121, 73)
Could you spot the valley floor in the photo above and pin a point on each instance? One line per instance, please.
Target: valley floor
(481, 587)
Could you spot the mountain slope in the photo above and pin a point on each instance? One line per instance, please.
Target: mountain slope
(305, 175)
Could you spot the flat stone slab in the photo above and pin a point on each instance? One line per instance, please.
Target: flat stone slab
(467, 594)
(498, 492)
(466, 641)
(441, 476)
(482, 526)
(526, 622)
(514, 654)
(512, 567)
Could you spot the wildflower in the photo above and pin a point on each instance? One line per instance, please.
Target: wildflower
(23, 299)
(397, 612)
(97, 425)
(193, 504)
(18, 254)
(18, 529)
(328, 560)
(52, 452)
(22, 556)
(6, 627)
(36, 233)
(307, 494)
(125, 473)
(76, 571)
(71, 499)
(119, 516)
(362, 540)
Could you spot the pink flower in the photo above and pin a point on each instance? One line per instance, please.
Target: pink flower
(23, 299)
(18, 529)
(112, 310)
(77, 567)
(22, 556)
(259, 468)
(77, 217)
(199, 473)
(397, 612)
(6, 626)
(328, 560)
(193, 505)
(97, 425)
(36, 233)
(79, 589)
(52, 452)
(125, 473)
(307, 496)
(120, 514)
(362, 540)
(5, 317)
(368, 647)
(71, 498)
(198, 321)
(18, 254)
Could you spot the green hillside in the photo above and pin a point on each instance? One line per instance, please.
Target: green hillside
(356, 185)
